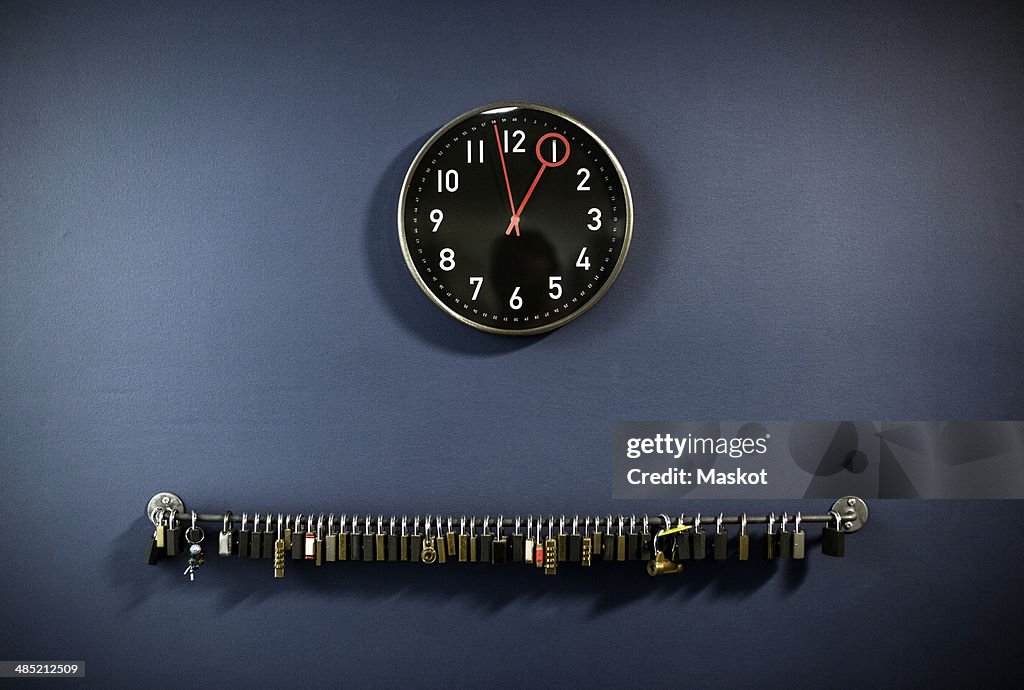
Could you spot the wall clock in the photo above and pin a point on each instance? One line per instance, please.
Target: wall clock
(515, 218)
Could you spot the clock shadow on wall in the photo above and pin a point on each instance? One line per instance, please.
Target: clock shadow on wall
(400, 292)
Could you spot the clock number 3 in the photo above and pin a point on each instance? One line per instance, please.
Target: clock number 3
(595, 222)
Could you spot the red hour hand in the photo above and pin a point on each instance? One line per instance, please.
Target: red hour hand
(544, 165)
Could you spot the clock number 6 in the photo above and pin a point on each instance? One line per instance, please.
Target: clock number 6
(516, 302)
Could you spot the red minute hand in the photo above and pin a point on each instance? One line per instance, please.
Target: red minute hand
(544, 165)
(508, 187)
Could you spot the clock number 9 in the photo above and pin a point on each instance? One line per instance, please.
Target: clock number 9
(436, 216)
(595, 223)
(447, 259)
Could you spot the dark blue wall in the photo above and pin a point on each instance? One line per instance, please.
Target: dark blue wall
(201, 290)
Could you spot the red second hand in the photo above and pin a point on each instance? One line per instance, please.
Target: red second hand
(529, 193)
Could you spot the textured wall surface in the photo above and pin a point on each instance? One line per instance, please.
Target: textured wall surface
(201, 290)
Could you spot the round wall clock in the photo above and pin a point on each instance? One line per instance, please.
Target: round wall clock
(515, 218)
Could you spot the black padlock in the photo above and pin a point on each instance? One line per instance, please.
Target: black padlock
(833, 539)
(720, 546)
(684, 543)
(486, 542)
(699, 540)
(297, 541)
(785, 539)
(173, 536)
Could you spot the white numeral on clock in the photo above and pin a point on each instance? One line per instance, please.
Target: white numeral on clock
(595, 223)
(555, 287)
(447, 181)
(520, 137)
(480, 150)
(478, 281)
(583, 261)
(516, 302)
(583, 186)
(447, 259)
(436, 216)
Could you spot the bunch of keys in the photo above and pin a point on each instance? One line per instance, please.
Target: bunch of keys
(194, 535)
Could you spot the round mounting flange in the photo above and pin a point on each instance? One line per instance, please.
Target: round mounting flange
(852, 511)
(165, 500)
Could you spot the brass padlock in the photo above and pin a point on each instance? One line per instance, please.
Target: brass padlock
(660, 565)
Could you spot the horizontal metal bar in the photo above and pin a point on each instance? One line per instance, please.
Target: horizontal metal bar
(596, 522)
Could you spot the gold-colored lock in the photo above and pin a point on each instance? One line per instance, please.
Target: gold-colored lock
(661, 565)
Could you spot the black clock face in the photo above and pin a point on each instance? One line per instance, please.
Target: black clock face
(515, 218)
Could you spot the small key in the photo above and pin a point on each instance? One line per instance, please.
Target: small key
(699, 540)
(720, 547)
(743, 540)
(268, 539)
(785, 539)
(833, 539)
(799, 539)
